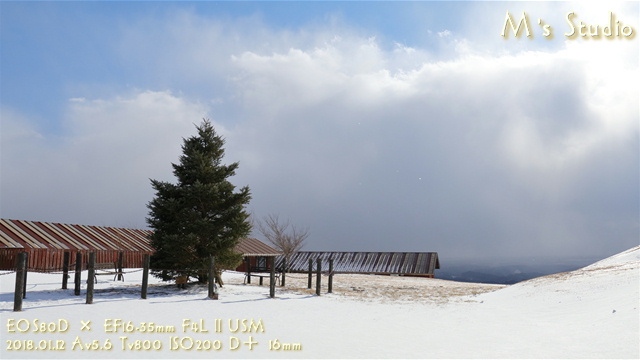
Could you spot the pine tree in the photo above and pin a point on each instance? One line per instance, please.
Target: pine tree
(199, 216)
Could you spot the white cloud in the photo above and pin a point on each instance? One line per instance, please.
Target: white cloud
(98, 171)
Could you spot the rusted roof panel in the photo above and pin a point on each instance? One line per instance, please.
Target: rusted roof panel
(402, 263)
(17, 234)
(7, 238)
(255, 247)
(22, 234)
(40, 232)
(23, 237)
(60, 236)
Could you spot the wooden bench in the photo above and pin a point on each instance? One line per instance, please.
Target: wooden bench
(105, 267)
(261, 276)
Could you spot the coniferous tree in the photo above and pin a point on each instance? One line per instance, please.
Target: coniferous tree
(199, 216)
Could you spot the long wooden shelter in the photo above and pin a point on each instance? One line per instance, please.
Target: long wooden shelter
(421, 264)
(47, 242)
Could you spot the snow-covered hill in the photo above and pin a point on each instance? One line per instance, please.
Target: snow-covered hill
(588, 313)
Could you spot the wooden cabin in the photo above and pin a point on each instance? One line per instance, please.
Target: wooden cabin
(256, 255)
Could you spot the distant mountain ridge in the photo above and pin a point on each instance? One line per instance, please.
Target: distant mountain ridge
(489, 278)
(505, 274)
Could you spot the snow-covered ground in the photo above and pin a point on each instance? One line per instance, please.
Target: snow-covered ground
(588, 313)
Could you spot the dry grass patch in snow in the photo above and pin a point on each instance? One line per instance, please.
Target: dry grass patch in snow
(392, 289)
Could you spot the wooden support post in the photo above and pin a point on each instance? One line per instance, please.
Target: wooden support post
(318, 278)
(272, 277)
(120, 276)
(310, 273)
(78, 273)
(284, 271)
(213, 291)
(21, 269)
(65, 269)
(248, 270)
(26, 272)
(145, 275)
(330, 290)
(91, 277)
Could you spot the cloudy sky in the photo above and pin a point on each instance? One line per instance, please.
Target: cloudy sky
(381, 126)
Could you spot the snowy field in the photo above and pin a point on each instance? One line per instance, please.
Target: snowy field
(588, 313)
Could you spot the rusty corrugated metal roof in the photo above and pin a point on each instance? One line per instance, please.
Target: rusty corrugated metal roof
(22, 234)
(402, 263)
(255, 247)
